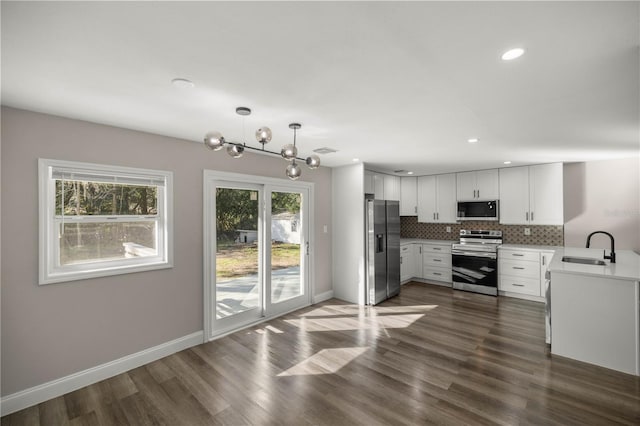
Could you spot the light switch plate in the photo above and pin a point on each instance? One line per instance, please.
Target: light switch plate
(527, 231)
(448, 229)
(325, 229)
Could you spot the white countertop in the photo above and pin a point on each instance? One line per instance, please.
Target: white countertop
(627, 266)
(529, 247)
(419, 241)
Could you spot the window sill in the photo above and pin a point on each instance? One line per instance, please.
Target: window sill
(60, 277)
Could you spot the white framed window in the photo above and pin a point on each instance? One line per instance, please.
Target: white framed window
(98, 220)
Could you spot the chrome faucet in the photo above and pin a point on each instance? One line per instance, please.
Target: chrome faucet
(612, 256)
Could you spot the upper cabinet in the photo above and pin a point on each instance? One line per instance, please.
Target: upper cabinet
(408, 196)
(391, 186)
(480, 185)
(437, 198)
(378, 186)
(383, 187)
(531, 195)
(368, 182)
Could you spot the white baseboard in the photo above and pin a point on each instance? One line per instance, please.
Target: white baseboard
(522, 296)
(37, 394)
(440, 283)
(323, 296)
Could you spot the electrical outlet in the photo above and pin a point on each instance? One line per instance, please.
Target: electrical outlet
(448, 229)
(527, 231)
(325, 229)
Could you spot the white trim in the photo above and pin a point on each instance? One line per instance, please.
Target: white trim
(50, 272)
(37, 394)
(210, 177)
(522, 296)
(323, 296)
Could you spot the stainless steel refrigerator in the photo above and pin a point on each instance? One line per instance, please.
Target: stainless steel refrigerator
(383, 250)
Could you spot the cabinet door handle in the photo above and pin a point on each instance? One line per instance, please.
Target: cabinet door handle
(415, 209)
(437, 248)
(420, 249)
(544, 260)
(478, 193)
(527, 216)
(437, 260)
(434, 216)
(518, 285)
(437, 273)
(531, 216)
(517, 267)
(517, 254)
(438, 216)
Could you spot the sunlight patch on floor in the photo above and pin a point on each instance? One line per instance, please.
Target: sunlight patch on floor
(341, 310)
(343, 323)
(270, 328)
(327, 361)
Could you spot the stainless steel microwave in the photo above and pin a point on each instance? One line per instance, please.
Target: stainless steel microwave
(477, 210)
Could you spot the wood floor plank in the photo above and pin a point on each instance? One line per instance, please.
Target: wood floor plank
(432, 355)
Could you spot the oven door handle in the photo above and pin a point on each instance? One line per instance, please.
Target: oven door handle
(474, 254)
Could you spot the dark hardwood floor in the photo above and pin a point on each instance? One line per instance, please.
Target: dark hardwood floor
(429, 356)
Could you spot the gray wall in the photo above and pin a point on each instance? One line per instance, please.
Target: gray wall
(54, 330)
(602, 195)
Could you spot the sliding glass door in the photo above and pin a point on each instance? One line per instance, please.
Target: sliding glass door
(285, 286)
(256, 251)
(238, 254)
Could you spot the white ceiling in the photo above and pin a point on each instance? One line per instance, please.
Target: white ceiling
(397, 85)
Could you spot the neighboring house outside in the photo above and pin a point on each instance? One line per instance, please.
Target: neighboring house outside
(285, 228)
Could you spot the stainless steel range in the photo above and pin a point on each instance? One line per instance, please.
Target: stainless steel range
(475, 261)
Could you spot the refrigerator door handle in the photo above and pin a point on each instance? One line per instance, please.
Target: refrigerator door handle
(379, 243)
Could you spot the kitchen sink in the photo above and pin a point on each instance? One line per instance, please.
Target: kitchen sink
(583, 260)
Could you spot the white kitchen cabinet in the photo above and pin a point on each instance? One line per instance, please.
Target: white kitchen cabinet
(378, 186)
(478, 185)
(531, 195)
(408, 196)
(436, 262)
(417, 260)
(521, 272)
(546, 194)
(437, 198)
(407, 262)
(391, 185)
(368, 182)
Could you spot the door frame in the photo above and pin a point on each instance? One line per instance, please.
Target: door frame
(210, 179)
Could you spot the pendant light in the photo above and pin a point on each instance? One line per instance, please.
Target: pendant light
(215, 142)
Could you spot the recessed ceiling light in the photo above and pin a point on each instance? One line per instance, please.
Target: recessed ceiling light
(409, 173)
(355, 160)
(512, 54)
(507, 162)
(324, 150)
(182, 83)
(473, 140)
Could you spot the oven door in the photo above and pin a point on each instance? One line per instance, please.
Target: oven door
(475, 271)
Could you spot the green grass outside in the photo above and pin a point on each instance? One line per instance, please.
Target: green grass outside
(237, 260)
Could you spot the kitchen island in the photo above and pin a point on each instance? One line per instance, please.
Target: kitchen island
(595, 309)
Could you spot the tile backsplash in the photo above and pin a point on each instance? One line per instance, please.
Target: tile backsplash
(511, 234)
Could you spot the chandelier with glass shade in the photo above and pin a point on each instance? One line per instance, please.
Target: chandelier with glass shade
(216, 142)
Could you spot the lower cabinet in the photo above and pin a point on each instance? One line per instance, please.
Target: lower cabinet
(436, 262)
(407, 262)
(522, 272)
(429, 262)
